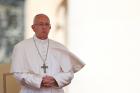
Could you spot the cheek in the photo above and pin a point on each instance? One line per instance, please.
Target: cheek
(37, 30)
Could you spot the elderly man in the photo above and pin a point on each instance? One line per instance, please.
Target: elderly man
(42, 65)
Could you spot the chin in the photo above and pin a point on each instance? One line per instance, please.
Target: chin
(44, 37)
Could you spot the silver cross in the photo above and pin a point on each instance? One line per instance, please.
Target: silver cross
(44, 67)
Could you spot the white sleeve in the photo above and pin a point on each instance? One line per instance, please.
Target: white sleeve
(19, 67)
(29, 80)
(66, 75)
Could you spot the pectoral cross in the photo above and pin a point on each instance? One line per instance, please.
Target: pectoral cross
(44, 67)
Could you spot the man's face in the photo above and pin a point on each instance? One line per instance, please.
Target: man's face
(41, 26)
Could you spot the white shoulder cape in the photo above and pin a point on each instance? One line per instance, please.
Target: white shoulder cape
(77, 64)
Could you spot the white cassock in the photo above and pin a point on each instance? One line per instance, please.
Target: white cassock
(26, 65)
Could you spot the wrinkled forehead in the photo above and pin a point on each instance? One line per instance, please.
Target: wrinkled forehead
(41, 18)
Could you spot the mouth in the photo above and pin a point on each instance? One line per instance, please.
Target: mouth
(43, 32)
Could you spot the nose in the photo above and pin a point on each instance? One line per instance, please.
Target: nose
(44, 26)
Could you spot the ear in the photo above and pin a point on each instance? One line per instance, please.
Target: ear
(33, 27)
(50, 27)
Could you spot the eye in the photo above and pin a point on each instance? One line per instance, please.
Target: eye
(47, 24)
(41, 24)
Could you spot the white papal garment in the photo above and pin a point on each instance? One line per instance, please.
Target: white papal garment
(26, 65)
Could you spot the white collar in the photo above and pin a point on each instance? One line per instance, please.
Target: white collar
(45, 41)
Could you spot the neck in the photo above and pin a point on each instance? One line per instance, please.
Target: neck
(42, 38)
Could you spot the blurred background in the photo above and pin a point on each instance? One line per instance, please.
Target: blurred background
(105, 34)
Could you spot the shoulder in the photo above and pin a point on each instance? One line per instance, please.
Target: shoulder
(23, 43)
(55, 44)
